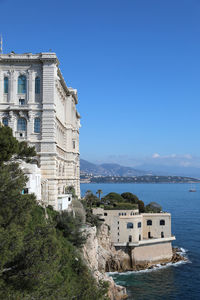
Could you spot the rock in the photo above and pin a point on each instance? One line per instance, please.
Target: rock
(101, 257)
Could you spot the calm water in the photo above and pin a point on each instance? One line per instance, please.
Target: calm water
(181, 281)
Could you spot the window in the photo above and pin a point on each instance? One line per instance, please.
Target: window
(105, 214)
(37, 85)
(130, 238)
(5, 121)
(21, 101)
(6, 85)
(139, 225)
(162, 234)
(149, 235)
(22, 84)
(162, 222)
(69, 199)
(129, 225)
(119, 214)
(25, 191)
(139, 237)
(37, 125)
(118, 228)
(149, 222)
(21, 124)
(74, 144)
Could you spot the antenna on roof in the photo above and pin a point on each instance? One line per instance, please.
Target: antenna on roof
(1, 44)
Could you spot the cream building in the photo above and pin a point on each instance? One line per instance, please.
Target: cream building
(39, 107)
(148, 234)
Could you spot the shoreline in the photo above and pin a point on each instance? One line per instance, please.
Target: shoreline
(178, 257)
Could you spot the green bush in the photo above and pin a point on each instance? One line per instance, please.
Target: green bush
(113, 198)
(129, 197)
(153, 207)
(38, 256)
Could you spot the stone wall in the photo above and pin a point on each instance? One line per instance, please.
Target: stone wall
(153, 253)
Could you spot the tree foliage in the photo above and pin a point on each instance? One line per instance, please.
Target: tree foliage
(10, 147)
(129, 197)
(39, 257)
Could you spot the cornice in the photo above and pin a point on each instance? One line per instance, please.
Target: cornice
(27, 57)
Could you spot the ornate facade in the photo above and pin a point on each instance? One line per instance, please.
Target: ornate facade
(36, 103)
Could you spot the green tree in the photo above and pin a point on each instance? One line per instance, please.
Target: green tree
(99, 192)
(153, 207)
(113, 197)
(70, 228)
(38, 258)
(129, 197)
(141, 206)
(10, 147)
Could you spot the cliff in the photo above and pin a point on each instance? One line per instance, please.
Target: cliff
(100, 254)
(102, 257)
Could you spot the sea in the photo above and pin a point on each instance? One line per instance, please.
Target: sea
(174, 281)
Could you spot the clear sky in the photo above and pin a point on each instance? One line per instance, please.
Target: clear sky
(135, 64)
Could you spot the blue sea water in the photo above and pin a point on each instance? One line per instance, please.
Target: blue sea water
(178, 281)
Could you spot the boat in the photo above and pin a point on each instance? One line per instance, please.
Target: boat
(192, 189)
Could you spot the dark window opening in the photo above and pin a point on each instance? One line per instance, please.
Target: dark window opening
(21, 101)
(139, 237)
(105, 214)
(162, 234)
(162, 222)
(149, 222)
(5, 121)
(130, 238)
(139, 225)
(129, 225)
(149, 234)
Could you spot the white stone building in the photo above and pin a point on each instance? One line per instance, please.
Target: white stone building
(33, 185)
(37, 104)
(148, 234)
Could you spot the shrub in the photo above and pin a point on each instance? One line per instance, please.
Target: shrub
(129, 197)
(113, 198)
(153, 207)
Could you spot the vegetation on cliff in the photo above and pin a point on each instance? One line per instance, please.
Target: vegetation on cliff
(116, 201)
(39, 249)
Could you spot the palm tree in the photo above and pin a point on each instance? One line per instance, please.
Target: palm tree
(99, 192)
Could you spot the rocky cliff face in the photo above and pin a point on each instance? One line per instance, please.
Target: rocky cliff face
(100, 256)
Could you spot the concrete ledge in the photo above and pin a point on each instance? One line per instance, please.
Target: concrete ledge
(146, 242)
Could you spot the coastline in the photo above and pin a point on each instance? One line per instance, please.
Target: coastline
(179, 256)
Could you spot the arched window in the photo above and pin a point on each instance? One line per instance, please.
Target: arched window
(149, 222)
(139, 225)
(162, 234)
(21, 124)
(22, 84)
(37, 125)
(129, 225)
(37, 85)
(6, 85)
(162, 222)
(5, 121)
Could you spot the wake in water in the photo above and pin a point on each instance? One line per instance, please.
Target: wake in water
(182, 256)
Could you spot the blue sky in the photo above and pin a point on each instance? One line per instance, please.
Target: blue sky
(135, 64)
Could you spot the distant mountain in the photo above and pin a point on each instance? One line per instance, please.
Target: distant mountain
(109, 169)
(172, 170)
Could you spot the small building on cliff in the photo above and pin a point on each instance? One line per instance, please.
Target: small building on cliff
(148, 235)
